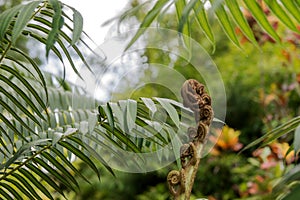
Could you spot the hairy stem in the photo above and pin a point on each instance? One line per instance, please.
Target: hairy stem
(194, 97)
(191, 172)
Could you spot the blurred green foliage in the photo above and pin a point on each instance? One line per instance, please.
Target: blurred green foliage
(262, 88)
(262, 92)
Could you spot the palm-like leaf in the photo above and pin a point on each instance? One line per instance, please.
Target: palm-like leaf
(42, 132)
(227, 12)
(43, 128)
(47, 152)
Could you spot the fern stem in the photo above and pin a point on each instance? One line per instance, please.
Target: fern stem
(5, 51)
(39, 9)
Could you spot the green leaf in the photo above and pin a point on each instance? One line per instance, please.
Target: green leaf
(20, 187)
(26, 185)
(276, 133)
(276, 8)
(224, 21)
(26, 84)
(15, 115)
(291, 176)
(11, 190)
(57, 23)
(108, 111)
(261, 19)
(240, 20)
(11, 126)
(202, 20)
(109, 146)
(19, 105)
(65, 174)
(61, 44)
(183, 12)
(150, 105)
(36, 67)
(7, 196)
(131, 113)
(69, 40)
(170, 110)
(36, 183)
(123, 138)
(297, 139)
(108, 136)
(293, 8)
(101, 113)
(80, 155)
(44, 176)
(24, 96)
(23, 18)
(176, 144)
(6, 17)
(78, 26)
(68, 163)
(100, 158)
(293, 194)
(25, 148)
(150, 129)
(151, 15)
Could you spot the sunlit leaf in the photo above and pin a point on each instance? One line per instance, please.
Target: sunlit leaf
(27, 185)
(261, 19)
(7, 196)
(200, 14)
(224, 21)
(11, 190)
(25, 148)
(68, 163)
(54, 172)
(184, 11)
(276, 8)
(293, 8)
(152, 14)
(36, 68)
(36, 183)
(11, 126)
(20, 187)
(15, 115)
(23, 18)
(240, 20)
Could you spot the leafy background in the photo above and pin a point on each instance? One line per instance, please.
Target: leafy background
(42, 132)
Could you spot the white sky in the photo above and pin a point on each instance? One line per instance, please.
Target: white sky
(95, 13)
